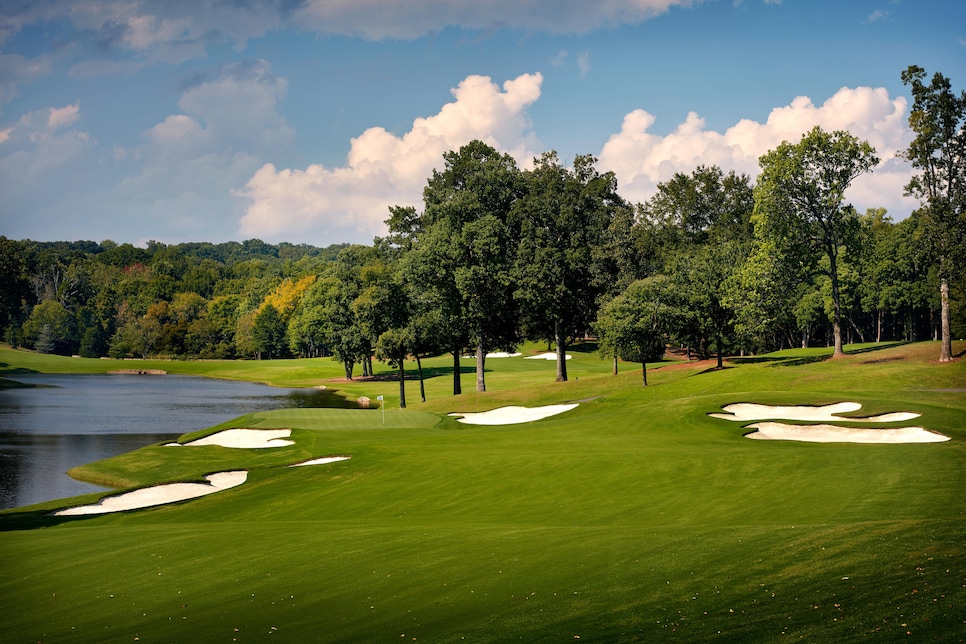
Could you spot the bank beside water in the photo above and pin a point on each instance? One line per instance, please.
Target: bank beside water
(50, 423)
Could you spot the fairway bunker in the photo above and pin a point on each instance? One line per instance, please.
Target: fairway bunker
(834, 434)
(322, 461)
(823, 433)
(243, 439)
(512, 415)
(751, 411)
(547, 356)
(159, 495)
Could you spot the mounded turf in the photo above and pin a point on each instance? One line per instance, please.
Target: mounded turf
(633, 517)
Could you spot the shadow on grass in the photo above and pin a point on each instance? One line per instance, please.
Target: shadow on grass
(796, 361)
(12, 521)
(786, 361)
(710, 370)
(584, 346)
(7, 370)
(435, 372)
(878, 347)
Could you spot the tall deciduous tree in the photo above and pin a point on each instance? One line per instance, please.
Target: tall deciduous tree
(799, 202)
(938, 118)
(564, 217)
(268, 333)
(632, 326)
(705, 221)
(464, 248)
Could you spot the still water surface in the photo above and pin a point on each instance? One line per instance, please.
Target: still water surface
(69, 420)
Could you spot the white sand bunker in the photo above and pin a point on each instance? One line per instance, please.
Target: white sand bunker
(512, 415)
(322, 461)
(160, 494)
(243, 438)
(751, 411)
(834, 434)
(495, 354)
(547, 356)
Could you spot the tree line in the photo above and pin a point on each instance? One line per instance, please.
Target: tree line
(498, 255)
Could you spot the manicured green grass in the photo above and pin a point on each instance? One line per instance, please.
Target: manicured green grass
(633, 517)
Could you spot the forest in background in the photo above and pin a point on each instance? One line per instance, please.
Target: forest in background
(499, 255)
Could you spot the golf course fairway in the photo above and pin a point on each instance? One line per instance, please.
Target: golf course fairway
(634, 516)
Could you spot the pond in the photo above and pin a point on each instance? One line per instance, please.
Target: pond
(69, 420)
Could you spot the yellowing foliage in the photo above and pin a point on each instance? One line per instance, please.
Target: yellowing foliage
(287, 296)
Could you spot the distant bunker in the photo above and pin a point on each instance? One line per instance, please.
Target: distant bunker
(822, 432)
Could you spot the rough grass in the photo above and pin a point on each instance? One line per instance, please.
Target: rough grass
(633, 517)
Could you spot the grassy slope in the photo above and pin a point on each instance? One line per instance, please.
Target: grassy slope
(634, 517)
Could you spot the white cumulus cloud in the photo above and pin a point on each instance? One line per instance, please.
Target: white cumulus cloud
(383, 169)
(641, 159)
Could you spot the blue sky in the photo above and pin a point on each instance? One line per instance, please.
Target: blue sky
(302, 121)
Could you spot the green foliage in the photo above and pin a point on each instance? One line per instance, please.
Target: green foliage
(268, 333)
(938, 117)
(799, 203)
(49, 328)
(635, 324)
(563, 216)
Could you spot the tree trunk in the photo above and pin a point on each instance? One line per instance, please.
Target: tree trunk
(348, 369)
(836, 309)
(615, 365)
(402, 382)
(644, 371)
(717, 341)
(946, 346)
(878, 326)
(480, 365)
(422, 387)
(457, 385)
(561, 352)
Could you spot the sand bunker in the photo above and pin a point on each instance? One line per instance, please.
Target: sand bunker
(547, 356)
(495, 354)
(243, 438)
(322, 461)
(751, 411)
(835, 434)
(159, 495)
(512, 415)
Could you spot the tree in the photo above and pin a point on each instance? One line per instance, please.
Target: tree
(702, 278)
(310, 330)
(632, 326)
(351, 339)
(15, 291)
(799, 202)
(705, 221)
(938, 117)
(393, 347)
(268, 333)
(563, 216)
(461, 250)
(49, 328)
